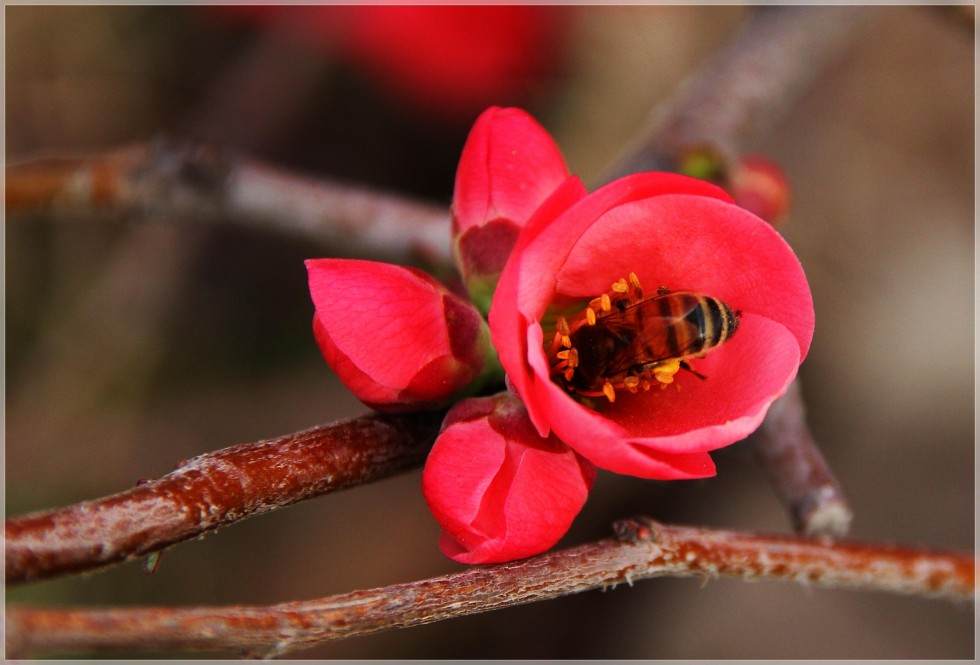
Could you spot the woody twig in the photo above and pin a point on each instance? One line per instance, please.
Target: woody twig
(213, 490)
(748, 86)
(193, 181)
(644, 549)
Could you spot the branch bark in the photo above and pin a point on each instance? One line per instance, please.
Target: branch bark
(200, 181)
(746, 87)
(644, 549)
(213, 490)
(804, 482)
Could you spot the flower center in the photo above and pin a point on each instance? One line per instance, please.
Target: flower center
(624, 341)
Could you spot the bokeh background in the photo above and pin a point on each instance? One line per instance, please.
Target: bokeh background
(131, 345)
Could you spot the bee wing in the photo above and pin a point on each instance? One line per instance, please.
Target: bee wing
(648, 336)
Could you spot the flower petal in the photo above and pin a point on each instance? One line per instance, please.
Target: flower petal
(395, 336)
(694, 244)
(499, 491)
(508, 167)
(665, 433)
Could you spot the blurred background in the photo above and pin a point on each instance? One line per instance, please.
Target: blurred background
(132, 344)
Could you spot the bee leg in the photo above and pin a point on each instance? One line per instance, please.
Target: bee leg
(686, 365)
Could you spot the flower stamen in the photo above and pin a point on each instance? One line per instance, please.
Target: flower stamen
(635, 283)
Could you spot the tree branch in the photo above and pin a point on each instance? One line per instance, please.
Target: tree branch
(790, 457)
(746, 87)
(213, 490)
(188, 180)
(644, 549)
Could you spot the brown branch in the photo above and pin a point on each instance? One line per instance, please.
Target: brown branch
(643, 550)
(790, 457)
(746, 87)
(198, 181)
(213, 490)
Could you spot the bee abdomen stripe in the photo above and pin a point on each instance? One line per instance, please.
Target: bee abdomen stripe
(719, 322)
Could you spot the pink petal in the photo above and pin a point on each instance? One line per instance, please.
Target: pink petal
(543, 249)
(394, 335)
(499, 491)
(508, 325)
(665, 433)
(694, 244)
(508, 167)
(528, 283)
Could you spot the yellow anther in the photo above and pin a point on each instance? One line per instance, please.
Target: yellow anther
(573, 357)
(569, 373)
(605, 302)
(635, 281)
(620, 286)
(645, 384)
(563, 355)
(590, 316)
(609, 391)
(631, 383)
(562, 325)
(566, 341)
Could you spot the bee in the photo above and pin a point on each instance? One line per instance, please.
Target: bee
(627, 341)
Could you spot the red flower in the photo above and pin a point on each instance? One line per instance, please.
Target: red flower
(398, 339)
(684, 234)
(499, 490)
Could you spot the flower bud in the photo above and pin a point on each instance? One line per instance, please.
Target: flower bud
(508, 168)
(760, 186)
(396, 337)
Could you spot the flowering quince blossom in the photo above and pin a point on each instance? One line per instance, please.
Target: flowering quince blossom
(397, 338)
(499, 490)
(508, 168)
(507, 474)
